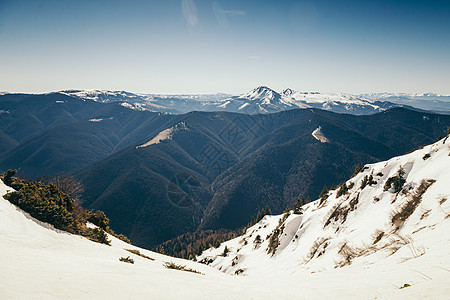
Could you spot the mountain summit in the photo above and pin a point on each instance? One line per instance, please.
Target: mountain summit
(263, 94)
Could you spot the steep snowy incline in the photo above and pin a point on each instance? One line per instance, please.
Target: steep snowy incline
(388, 226)
(367, 242)
(40, 262)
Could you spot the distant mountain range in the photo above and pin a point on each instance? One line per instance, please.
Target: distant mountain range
(262, 100)
(159, 175)
(427, 101)
(265, 100)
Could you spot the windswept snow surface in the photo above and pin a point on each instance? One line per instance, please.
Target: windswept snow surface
(40, 262)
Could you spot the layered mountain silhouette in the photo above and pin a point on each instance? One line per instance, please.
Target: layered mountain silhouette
(160, 175)
(259, 100)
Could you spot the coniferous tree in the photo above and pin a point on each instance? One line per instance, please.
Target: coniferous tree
(323, 194)
(225, 251)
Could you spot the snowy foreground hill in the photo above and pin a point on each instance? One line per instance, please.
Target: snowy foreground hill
(362, 244)
(367, 241)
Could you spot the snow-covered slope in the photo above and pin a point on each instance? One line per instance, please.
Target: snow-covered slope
(334, 250)
(369, 238)
(40, 262)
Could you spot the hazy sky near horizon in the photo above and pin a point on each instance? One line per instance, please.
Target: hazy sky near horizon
(204, 46)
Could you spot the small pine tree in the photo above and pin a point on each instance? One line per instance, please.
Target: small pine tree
(323, 194)
(396, 182)
(358, 169)
(225, 251)
(298, 206)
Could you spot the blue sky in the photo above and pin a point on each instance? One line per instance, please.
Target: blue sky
(203, 46)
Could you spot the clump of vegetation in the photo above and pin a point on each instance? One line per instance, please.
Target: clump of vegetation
(406, 210)
(234, 261)
(257, 241)
(343, 189)
(192, 244)
(225, 251)
(426, 156)
(404, 286)
(357, 170)
(127, 260)
(297, 209)
(396, 182)
(97, 235)
(263, 212)
(274, 238)
(323, 194)
(367, 180)
(119, 236)
(99, 218)
(11, 181)
(348, 254)
(319, 246)
(340, 211)
(172, 265)
(377, 236)
(47, 203)
(66, 184)
(137, 252)
(238, 271)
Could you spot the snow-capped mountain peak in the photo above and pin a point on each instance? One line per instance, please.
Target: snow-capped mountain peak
(263, 94)
(288, 92)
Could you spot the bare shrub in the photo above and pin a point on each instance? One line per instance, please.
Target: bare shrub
(348, 254)
(238, 271)
(274, 237)
(127, 260)
(137, 252)
(319, 246)
(172, 265)
(407, 210)
(377, 236)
